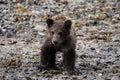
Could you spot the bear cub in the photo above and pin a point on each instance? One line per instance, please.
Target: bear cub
(60, 37)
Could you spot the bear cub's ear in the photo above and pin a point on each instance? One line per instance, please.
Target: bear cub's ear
(68, 24)
(49, 22)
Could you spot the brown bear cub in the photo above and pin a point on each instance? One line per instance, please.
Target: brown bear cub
(60, 37)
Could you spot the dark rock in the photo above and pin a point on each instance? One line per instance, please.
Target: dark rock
(3, 32)
(1, 23)
(28, 78)
(3, 2)
(21, 1)
(102, 1)
(65, 2)
(92, 48)
(0, 31)
(110, 49)
(9, 34)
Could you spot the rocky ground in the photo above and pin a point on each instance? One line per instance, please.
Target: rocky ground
(22, 31)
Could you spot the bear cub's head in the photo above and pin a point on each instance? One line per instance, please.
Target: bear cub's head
(58, 31)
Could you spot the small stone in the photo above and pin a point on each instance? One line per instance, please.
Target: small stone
(11, 27)
(99, 74)
(118, 5)
(41, 34)
(40, 27)
(111, 14)
(3, 31)
(65, 2)
(102, 1)
(116, 38)
(15, 0)
(115, 78)
(1, 15)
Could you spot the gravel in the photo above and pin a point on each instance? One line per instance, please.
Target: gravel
(23, 28)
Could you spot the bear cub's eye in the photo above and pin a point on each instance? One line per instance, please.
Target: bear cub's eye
(52, 32)
(60, 33)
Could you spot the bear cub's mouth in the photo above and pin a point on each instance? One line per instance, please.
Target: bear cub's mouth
(56, 44)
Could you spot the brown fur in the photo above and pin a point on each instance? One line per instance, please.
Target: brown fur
(64, 34)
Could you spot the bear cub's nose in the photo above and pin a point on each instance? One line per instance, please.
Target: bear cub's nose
(55, 41)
